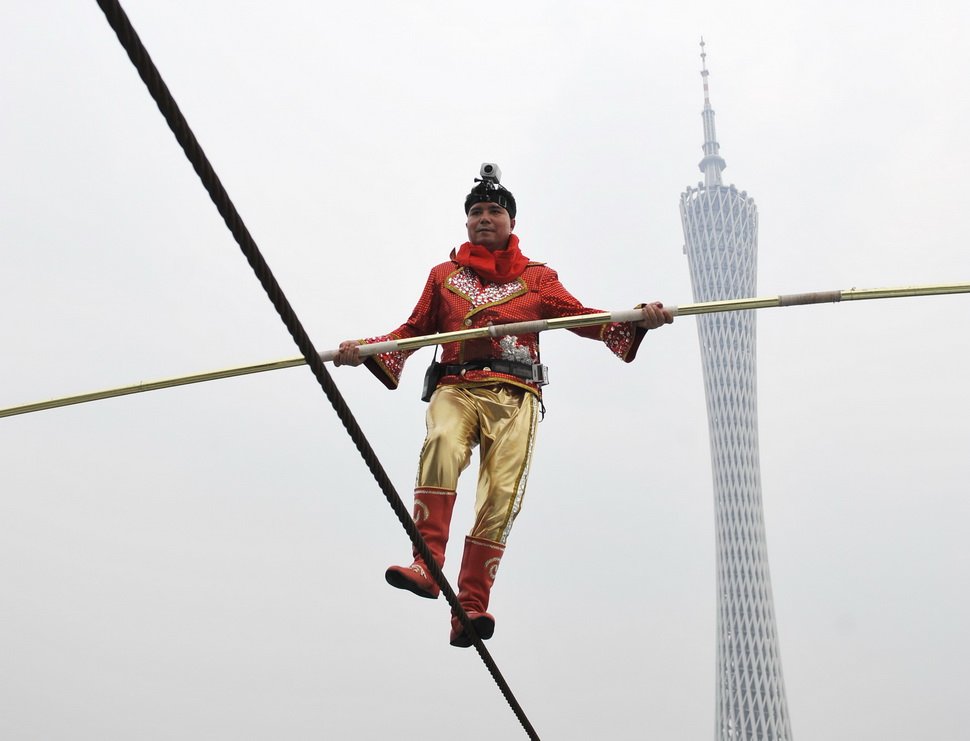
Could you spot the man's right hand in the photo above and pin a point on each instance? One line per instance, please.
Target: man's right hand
(348, 354)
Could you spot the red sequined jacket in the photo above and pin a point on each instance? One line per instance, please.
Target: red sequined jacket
(456, 298)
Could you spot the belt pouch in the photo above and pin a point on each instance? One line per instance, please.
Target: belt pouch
(431, 377)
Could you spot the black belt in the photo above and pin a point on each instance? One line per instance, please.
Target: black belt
(538, 374)
(525, 371)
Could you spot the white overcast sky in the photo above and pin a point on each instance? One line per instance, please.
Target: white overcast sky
(207, 562)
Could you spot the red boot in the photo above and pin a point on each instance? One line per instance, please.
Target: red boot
(432, 515)
(479, 565)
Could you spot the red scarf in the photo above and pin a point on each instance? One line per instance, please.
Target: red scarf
(501, 266)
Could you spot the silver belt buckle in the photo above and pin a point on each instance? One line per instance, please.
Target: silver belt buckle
(540, 375)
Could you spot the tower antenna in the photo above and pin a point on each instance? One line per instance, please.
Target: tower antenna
(713, 163)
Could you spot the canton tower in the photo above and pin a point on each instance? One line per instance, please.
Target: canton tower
(721, 242)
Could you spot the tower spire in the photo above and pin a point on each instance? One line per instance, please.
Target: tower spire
(713, 163)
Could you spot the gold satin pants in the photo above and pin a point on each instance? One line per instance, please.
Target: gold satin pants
(501, 419)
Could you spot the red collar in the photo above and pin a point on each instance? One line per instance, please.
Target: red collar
(501, 266)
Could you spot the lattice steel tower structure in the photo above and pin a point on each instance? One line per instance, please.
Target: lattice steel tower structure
(721, 242)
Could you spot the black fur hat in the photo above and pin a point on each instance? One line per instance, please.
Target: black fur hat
(489, 191)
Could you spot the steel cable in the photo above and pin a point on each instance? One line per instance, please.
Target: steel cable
(119, 22)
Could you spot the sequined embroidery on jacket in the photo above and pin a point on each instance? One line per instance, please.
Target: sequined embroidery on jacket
(513, 350)
(465, 283)
(392, 362)
(619, 338)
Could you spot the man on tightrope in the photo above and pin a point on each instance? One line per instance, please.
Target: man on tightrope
(484, 392)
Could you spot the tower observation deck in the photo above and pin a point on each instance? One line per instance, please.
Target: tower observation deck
(721, 242)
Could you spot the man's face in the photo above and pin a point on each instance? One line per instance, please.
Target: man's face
(489, 225)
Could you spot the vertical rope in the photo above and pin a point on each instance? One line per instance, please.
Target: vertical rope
(118, 20)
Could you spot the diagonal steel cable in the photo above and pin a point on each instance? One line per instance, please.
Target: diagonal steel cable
(138, 54)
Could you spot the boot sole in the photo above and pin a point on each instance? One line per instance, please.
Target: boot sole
(484, 626)
(399, 581)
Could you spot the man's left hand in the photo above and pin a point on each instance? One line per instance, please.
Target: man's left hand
(654, 316)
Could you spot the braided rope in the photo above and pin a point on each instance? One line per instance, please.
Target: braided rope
(119, 22)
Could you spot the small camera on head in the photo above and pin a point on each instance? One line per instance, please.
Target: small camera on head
(491, 171)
